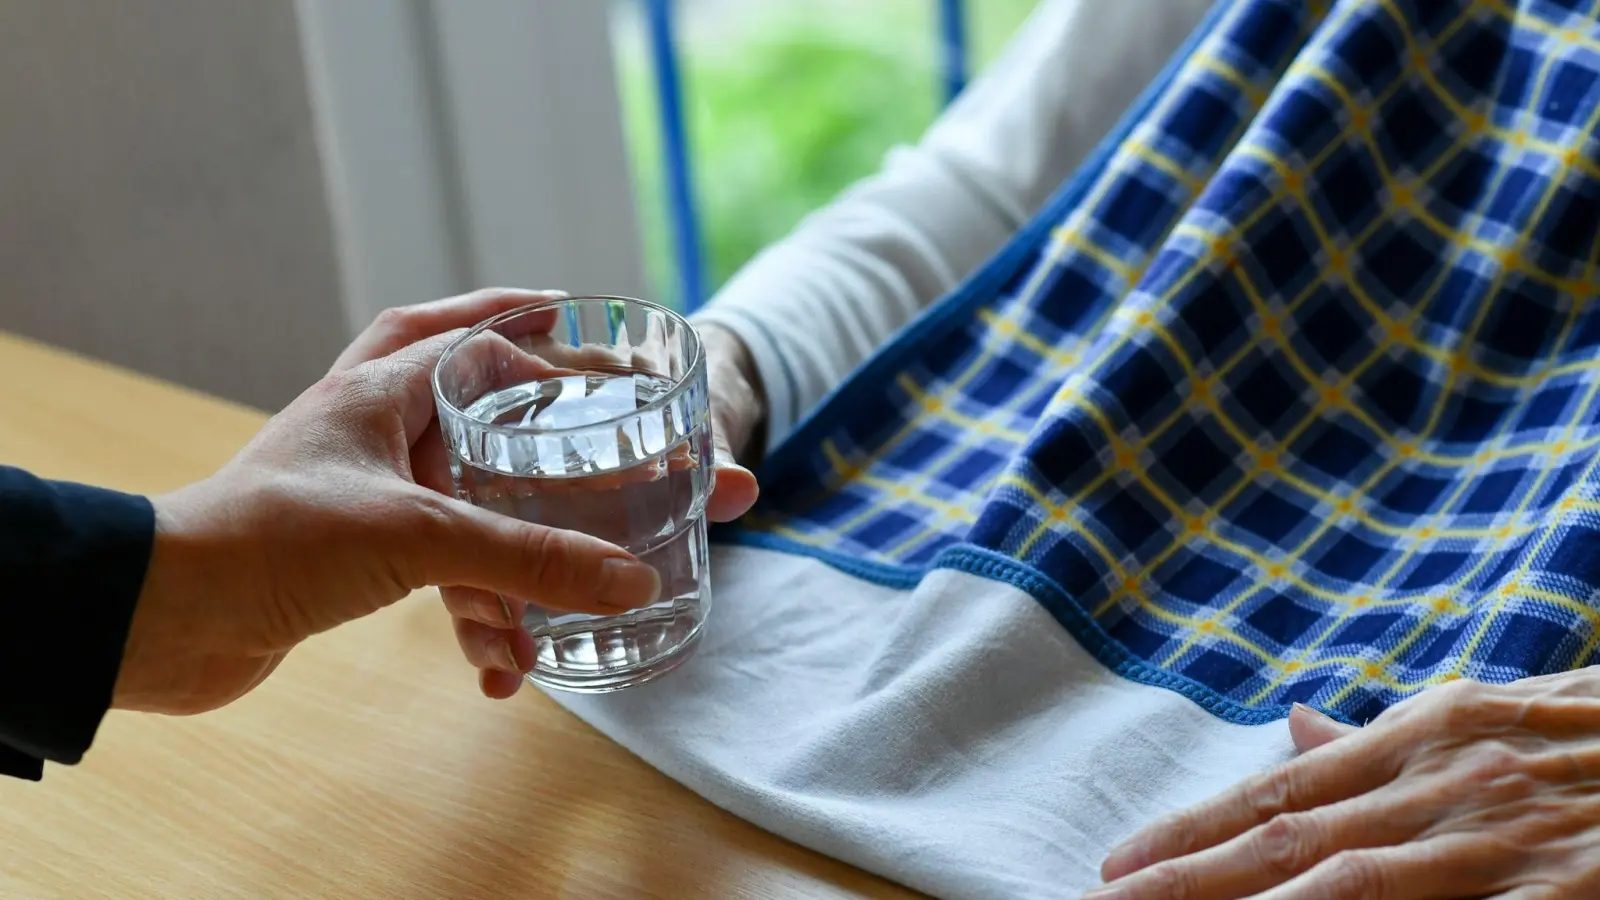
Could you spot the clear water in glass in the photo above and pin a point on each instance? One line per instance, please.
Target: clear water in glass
(612, 451)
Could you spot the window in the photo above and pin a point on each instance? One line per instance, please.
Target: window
(491, 142)
(780, 105)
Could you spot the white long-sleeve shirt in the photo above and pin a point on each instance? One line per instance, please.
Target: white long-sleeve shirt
(816, 304)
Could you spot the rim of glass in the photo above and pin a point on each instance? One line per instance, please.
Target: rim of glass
(696, 365)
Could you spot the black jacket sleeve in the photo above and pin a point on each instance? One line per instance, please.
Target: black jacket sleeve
(72, 563)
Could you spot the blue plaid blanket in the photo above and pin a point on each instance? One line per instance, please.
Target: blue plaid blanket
(1290, 394)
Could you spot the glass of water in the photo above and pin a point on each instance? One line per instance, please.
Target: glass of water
(591, 414)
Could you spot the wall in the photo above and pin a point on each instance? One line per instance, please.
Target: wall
(161, 204)
(469, 144)
(219, 192)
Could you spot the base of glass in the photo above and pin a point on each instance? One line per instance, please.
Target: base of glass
(611, 679)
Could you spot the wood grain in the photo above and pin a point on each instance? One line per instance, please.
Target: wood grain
(368, 766)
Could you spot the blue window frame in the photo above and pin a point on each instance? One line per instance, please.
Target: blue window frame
(684, 220)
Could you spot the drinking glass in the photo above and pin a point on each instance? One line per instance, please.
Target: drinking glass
(591, 414)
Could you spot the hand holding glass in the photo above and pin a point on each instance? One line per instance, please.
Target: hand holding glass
(591, 414)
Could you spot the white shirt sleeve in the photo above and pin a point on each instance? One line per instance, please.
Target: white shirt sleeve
(813, 306)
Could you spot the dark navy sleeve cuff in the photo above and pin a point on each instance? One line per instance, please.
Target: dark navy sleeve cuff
(17, 764)
(73, 561)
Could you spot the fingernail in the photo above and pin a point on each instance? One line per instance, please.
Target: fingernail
(1124, 859)
(554, 293)
(508, 655)
(724, 460)
(626, 584)
(493, 612)
(1105, 893)
(1312, 711)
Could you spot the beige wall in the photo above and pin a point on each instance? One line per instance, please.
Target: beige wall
(161, 199)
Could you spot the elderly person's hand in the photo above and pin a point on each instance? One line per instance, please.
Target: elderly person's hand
(488, 625)
(1464, 791)
(327, 515)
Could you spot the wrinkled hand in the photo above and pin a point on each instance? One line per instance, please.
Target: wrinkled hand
(488, 625)
(321, 519)
(1464, 791)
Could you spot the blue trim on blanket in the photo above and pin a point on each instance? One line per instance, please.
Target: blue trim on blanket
(995, 567)
(992, 566)
(885, 574)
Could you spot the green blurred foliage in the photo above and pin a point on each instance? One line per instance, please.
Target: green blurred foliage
(784, 115)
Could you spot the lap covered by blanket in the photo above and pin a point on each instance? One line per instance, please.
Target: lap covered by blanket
(1288, 396)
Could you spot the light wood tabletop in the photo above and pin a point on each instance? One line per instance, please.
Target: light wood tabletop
(368, 766)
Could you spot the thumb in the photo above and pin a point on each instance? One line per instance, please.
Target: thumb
(557, 569)
(1311, 729)
(736, 489)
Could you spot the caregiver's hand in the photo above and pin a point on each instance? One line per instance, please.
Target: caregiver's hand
(319, 520)
(487, 624)
(1464, 791)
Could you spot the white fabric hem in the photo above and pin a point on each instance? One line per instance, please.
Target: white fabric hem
(952, 737)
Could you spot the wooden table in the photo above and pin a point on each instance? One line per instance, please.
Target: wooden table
(368, 766)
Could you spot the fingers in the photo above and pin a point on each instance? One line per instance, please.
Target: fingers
(401, 326)
(486, 362)
(430, 461)
(734, 493)
(486, 607)
(453, 543)
(1335, 772)
(1312, 729)
(735, 489)
(1532, 892)
(1287, 846)
(507, 650)
(403, 380)
(498, 685)
(738, 402)
(1441, 868)
(487, 629)
(737, 408)
(589, 356)
(399, 384)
